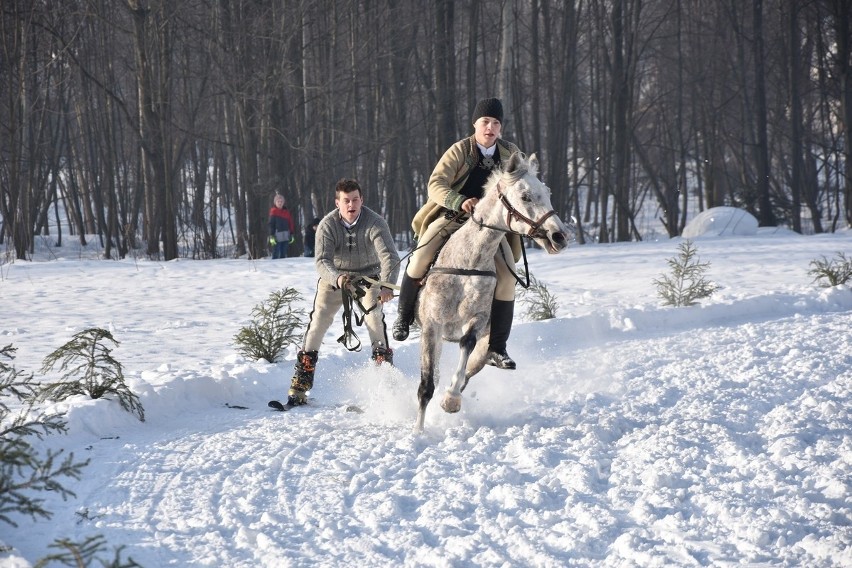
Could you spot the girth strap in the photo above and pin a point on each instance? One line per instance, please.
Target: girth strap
(463, 271)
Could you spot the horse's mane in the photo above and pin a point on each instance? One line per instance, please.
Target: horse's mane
(525, 167)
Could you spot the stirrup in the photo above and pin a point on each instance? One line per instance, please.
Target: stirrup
(401, 329)
(500, 359)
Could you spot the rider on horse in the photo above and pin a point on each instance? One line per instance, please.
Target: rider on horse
(455, 187)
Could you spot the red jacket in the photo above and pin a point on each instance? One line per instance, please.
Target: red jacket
(280, 220)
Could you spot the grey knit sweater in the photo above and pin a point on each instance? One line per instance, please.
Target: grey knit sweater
(367, 248)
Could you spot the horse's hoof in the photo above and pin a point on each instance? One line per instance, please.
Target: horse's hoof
(451, 403)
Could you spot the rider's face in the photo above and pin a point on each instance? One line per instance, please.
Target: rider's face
(487, 130)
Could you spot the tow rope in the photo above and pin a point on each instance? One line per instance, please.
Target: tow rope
(351, 294)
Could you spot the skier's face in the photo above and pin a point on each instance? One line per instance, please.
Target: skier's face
(349, 204)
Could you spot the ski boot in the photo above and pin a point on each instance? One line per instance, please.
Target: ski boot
(303, 379)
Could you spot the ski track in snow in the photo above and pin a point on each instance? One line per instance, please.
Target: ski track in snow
(646, 474)
(631, 435)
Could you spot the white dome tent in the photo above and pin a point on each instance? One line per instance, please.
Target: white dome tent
(721, 222)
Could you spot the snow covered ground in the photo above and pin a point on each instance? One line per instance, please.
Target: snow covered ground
(630, 435)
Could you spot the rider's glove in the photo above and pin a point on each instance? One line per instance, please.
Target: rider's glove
(292, 240)
(272, 240)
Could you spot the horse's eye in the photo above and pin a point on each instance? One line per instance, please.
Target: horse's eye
(526, 197)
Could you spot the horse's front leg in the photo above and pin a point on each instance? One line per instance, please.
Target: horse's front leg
(477, 359)
(430, 353)
(452, 398)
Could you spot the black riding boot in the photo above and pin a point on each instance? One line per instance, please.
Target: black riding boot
(409, 287)
(502, 313)
(303, 378)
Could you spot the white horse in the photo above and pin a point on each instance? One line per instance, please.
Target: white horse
(455, 302)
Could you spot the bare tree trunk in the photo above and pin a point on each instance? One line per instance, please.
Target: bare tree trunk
(766, 216)
(843, 26)
(504, 64)
(14, 198)
(796, 138)
(445, 71)
(620, 109)
(153, 97)
(535, 97)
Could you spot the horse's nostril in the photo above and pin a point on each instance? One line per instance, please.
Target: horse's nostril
(559, 238)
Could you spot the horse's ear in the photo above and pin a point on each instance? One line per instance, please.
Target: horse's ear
(515, 161)
(533, 164)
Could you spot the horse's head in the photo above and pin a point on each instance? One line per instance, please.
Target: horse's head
(526, 200)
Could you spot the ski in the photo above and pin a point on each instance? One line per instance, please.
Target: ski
(279, 406)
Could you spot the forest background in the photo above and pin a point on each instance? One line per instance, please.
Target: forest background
(163, 128)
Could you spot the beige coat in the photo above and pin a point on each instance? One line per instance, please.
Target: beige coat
(447, 179)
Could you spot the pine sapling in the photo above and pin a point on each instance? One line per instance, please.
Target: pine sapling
(23, 470)
(830, 273)
(686, 283)
(541, 304)
(86, 553)
(275, 324)
(88, 368)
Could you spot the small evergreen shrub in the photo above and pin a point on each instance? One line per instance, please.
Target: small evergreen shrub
(541, 304)
(686, 283)
(830, 273)
(83, 554)
(23, 470)
(89, 369)
(275, 324)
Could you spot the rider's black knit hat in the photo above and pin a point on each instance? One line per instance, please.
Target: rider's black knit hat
(488, 107)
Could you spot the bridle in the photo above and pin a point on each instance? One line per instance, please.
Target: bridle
(513, 214)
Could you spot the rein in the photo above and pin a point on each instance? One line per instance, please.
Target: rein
(351, 295)
(448, 218)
